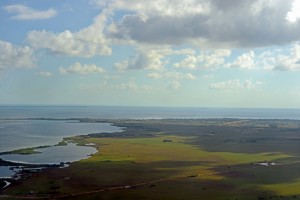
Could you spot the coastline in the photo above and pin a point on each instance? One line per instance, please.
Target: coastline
(153, 154)
(22, 169)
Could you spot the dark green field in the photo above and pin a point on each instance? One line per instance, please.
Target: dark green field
(178, 159)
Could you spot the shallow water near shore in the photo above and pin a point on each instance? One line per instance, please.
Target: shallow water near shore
(6, 172)
(24, 133)
(53, 155)
(49, 155)
(17, 134)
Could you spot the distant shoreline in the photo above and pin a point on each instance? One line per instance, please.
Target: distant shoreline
(135, 112)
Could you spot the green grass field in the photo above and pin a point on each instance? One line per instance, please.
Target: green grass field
(183, 159)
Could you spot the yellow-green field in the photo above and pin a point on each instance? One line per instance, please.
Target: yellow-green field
(169, 165)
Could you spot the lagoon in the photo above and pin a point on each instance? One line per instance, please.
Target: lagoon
(24, 133)
(53, 155)
(17, 134)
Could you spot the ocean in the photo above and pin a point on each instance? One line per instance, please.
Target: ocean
(106, 112)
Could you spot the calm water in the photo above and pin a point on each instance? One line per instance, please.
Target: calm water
(16, 134)
(6, 172)
(53, 155)
(143, 112)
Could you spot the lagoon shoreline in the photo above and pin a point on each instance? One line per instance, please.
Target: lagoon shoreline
(151, 149)
(18, 169)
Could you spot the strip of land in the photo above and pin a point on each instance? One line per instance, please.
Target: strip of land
(178, 159)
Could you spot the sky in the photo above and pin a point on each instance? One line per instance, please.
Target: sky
(192, 53)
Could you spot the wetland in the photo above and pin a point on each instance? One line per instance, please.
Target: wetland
(177, 159)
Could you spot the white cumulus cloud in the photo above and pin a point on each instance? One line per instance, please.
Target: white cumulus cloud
(235, 84)
(12, 56)
(172, 75)
(26, 13)
(226, 85)
(205, 60)
(290, 62)
(151, 58)
(88, 42)
(124, 86)
(294, 14)
(44, 73)
(143, 60)
(244, 61)
(78, 68)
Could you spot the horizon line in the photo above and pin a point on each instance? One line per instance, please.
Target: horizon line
(140, 106)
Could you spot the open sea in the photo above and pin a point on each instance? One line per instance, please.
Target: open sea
(103, 112)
